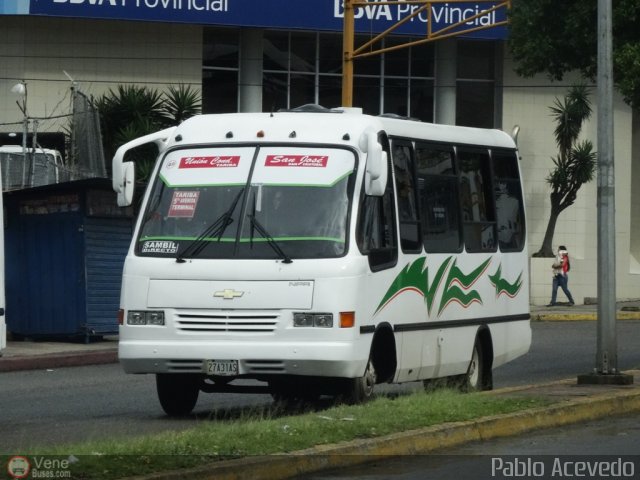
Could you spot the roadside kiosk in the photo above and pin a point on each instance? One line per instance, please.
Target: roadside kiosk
(65, 248)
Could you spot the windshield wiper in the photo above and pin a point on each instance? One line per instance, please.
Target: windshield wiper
(217, 228)
(270, 240)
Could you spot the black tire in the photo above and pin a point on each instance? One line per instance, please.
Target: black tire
(361, 389)
(178, 393)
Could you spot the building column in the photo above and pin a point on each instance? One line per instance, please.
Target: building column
(445, 81)
(250, 86)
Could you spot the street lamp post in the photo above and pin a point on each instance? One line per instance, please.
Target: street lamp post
(20, 89)
(606, 370)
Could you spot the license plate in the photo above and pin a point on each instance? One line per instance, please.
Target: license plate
(225, 368)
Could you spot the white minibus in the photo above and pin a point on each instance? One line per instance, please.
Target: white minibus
(322, 252)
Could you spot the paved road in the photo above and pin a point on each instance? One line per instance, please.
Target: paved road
(535, 455)
(76, 404)
(566, 349)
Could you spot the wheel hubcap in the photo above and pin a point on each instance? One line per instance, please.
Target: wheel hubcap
(474, 370)
(369, 379)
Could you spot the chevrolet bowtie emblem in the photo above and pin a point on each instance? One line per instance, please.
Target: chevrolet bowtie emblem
(228, 294)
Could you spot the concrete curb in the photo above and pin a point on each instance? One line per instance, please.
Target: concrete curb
(426, 440)
(57, 360)
(564, 317)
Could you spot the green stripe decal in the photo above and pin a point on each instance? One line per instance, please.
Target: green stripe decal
(458, 287)
(502, 286)
(416, 277)
(457, 279)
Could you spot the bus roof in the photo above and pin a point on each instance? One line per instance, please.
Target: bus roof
(333, 127)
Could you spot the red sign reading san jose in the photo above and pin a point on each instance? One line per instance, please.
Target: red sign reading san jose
(296, 161)
(210, 162)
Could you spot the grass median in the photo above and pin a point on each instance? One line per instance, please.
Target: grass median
(270, 430)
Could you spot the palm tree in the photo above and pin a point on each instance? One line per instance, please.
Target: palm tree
(132, 111)
(575, 162)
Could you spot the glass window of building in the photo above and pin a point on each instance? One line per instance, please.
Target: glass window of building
(306, 67)
(475, 89)
(220, 70)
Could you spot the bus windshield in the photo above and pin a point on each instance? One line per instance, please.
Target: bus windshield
(249, 202)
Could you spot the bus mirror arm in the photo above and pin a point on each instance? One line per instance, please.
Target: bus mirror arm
(123, 173)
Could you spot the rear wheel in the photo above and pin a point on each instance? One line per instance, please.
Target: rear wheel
(178, 393)
(361, 389)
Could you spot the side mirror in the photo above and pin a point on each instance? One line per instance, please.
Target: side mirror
(376, 169)
(123, 172)
(125, 194)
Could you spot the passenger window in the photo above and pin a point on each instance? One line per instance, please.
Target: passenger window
(438, 198)
(476, 199)
(509, 204)
(403, 166)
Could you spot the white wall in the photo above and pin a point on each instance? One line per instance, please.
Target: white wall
(98, 54)
(526, 103)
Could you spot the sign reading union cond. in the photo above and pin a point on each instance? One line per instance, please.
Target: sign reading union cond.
(299, 14)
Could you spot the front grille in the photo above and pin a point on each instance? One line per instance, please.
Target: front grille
(264, 366)
(251, 367)
(237, 322)
(185, 366)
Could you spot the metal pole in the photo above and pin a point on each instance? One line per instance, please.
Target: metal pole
(25, 133)
(347, 54)
(606, 357)
(606, 371)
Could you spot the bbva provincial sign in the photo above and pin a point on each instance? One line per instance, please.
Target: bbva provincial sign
(294, 14)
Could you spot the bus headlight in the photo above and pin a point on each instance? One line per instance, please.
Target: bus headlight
(320, 320)
(145, 317)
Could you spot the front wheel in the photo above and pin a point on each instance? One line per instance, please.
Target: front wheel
(361, 389)
(178, 393)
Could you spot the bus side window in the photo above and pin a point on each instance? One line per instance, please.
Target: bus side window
(476, 197)
(376, 233)
(438, 191)
(509, 204)
(404, 171)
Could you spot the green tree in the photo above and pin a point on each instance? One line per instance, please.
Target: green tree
(575, 162)
(133, 111)
(557, 37)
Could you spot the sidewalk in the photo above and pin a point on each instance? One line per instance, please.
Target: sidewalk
(34, 354)
(40, 355)
(625, 310)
